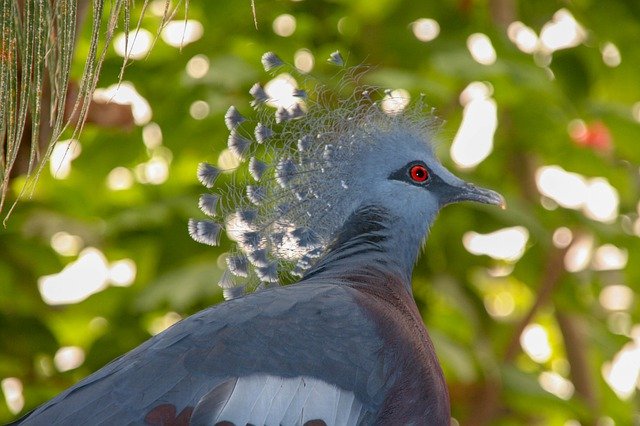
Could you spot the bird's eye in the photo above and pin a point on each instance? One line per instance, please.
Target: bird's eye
(419, 173)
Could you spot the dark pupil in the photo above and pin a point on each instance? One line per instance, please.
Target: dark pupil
(418, 173)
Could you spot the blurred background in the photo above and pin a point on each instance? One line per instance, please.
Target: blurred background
(533, 310)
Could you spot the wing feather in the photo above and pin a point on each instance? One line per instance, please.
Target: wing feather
(273, 400)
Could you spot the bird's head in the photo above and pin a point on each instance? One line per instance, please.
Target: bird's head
(313, 165)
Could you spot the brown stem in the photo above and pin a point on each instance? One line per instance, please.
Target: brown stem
(574, 335)
(487, 406)
(550, 279)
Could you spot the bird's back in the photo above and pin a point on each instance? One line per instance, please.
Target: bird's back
(281, 334)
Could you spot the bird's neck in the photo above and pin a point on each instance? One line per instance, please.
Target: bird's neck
(366, 245)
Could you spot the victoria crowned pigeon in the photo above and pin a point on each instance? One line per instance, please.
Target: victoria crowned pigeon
(339, 194)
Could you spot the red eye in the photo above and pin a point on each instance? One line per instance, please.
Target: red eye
(419, 173)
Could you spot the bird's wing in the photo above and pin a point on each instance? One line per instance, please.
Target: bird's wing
(307, 343)
(274, 400)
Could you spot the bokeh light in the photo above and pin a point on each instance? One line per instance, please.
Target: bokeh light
(89, 274)
(610, 55)
(535, 342)
(562, 32)
(199, 110)
(622, 373)
(68, 358)
(284, 25)
(578, 257)
(474, 139)
(63, 153)
(523, 37)
(303, 60)
(425, 29)
(554, 383)
(120, 178)
(66, 244)
(133, 45)
(596, 198)
(198, 66)
(395, 101)
(481, 49)
(616, 297)
(182, 32)
(505, 244)
(125, 93)
(12, 390)
(281, 91)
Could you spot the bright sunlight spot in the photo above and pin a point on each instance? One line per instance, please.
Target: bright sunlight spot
(616, 297)
(154, 172)
(63, 153)
(66, 244)
(77, 281)
(12, 390)
(425, 29)
(474, 140)
(198, 66)
(152, 135)
(562, 237)
(126, 94)
(281, 91)
(610, 55)
(481, 49)
(122, 273)
(609, 258)
(535, 342)
(500, 305)
(505, 244)
(596, 198)
(180, 32)
(562, 32)
(284, 25)
(120, 178)
(579, 254)
(303, 60)
(199, 110)
(622, 373)
(133, 45)
(68, 358)
(90, 273)
(395, 101)
(556, 384)
(228, 161)
(523, 37)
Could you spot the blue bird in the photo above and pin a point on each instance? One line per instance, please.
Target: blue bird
(341, 194)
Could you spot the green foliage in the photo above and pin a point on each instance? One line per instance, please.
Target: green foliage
(492, 381)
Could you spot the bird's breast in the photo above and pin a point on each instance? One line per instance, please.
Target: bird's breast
(417, 392)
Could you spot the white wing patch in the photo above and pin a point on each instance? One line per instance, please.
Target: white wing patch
(272, 400)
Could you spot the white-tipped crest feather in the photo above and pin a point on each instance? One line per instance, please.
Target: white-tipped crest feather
(304, 160)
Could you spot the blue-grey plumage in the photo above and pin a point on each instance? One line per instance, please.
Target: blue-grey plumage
(346, 203)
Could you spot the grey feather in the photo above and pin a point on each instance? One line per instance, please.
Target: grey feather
(256, 194)
(262, 133)
(205, 231)
(271, 61)
(208, 203)
(233, 118)
(256, 168)
(259, 95)
(238, 144)
(207, 174)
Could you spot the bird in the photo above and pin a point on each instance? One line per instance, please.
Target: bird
(334, 196)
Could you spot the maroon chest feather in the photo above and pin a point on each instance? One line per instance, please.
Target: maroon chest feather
(418, 393)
